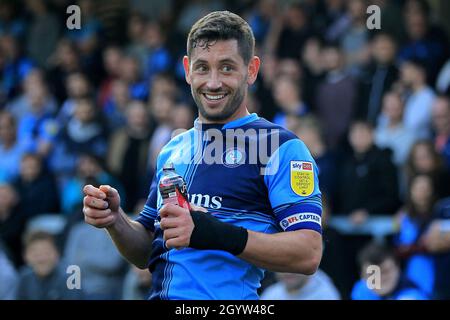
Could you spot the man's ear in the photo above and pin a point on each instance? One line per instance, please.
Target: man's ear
(253, 68)
(186, 69)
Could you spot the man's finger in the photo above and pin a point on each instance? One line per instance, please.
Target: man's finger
(170, 210)
(90, 190)
(102, 222)
(108, 190)
(96, 214)
(176, 243)
(167, 223)
(93, 202)
(171, 234)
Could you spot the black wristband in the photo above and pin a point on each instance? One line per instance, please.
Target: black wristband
(210, 233)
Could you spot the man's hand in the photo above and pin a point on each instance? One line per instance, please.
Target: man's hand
(177, 225)
(101, 205)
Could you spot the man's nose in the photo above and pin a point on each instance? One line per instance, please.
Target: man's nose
(214, 81)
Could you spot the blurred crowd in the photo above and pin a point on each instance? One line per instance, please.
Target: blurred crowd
(95, 106)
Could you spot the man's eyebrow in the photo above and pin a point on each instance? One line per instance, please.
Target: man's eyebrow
(224, 60)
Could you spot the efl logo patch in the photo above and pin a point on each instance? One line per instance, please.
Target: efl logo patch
(302, 178)
(299, 218)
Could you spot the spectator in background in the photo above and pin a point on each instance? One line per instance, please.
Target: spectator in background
(301, 287)
(377, 77)
(16, 66)
(287, 94)
(135, 34)
(128, 153)
(36, 187)
(77, 87)
(414, 222)
(335, 97)
(114, 110)
(425, 41)
(259, 19)
(161, 108)
(102, 266)
(443, 80)
(85, 133)
(12, 223)
(419, 97)
(423, 159)
(294, 31)
(312, 70)
(182, 116)
(10, 21)
(393, 134)
(8, 276)
(392, 285)
(64, 61)
(112, 55)
(441, 126)
(137, 284)
(34, 86)
(311, 133)
(158, 57)
(44, 277)
(87, 40)
(437, 242)
(11, 150)
(43, 32)
(89, 170)
(130, 74)
(367, 182)
(354, 41)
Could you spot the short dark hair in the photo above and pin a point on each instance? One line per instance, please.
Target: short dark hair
(38, 235)
(375, 253)
(222, 25)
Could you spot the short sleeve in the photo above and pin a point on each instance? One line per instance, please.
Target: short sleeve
(291, 177)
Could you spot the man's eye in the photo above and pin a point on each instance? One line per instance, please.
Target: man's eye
(227, 68)
(201, 68)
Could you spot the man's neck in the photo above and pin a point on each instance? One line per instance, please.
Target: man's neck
(240, 113)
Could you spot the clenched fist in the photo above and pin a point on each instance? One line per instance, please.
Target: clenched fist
(100, 205)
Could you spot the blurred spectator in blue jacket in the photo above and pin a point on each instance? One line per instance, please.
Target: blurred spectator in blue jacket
(102, 267)
(11, 22)
(15, 67)
(414, 221)
(441, 126)
(85, 133)
(131, 74)
(11, 150)
(382, 278)
(301, 287)
(158, 56)
(112, 56)
(426, 41)
(44, 277)
(90, 170)
(36, 187)
(77, 87)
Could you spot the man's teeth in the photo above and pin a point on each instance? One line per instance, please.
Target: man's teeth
(210, 97)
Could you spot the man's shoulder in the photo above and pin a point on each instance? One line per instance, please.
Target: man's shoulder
(264, 126)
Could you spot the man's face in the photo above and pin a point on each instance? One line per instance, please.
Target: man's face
(441, 116)
(219, 79)
(42, 257)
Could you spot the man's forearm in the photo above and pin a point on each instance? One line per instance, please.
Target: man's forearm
(295, 251)
(132, 240)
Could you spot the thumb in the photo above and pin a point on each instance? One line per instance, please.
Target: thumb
(109, 191)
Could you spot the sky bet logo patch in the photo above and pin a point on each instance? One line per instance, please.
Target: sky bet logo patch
(300, 218)
(302, 178)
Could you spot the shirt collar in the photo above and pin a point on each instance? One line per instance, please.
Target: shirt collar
(229, 125)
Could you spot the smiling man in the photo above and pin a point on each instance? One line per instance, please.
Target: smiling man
(250, 212)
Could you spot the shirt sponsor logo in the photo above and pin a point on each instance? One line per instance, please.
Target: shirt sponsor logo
(300, 218)
(233, 158)
(302, 177)
(205, 200)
